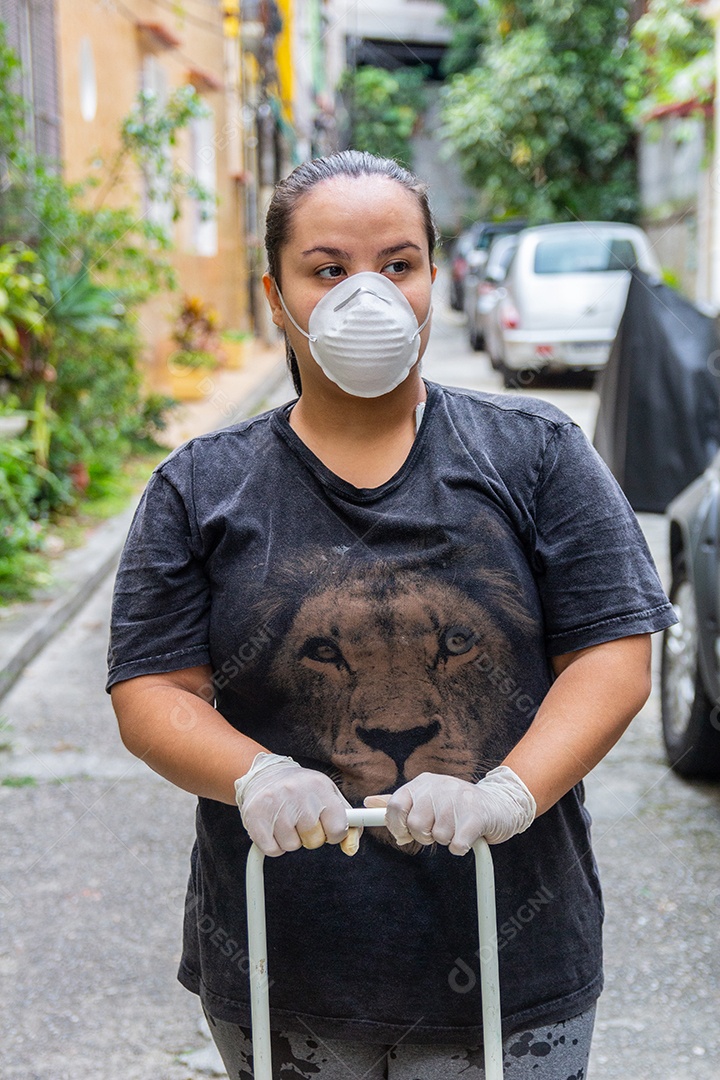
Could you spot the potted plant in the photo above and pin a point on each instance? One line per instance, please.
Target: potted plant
(190, 373)
(195, 334)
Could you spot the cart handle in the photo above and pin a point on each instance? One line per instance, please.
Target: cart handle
(489, 975)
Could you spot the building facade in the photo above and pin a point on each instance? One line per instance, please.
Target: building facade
(83, 65)
(108, 52)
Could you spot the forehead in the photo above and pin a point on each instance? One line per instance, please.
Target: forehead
(363, 206)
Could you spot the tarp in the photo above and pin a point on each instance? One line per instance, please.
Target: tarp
(658, 426)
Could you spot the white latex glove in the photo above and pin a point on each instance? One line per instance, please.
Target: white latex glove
(284, 806)
(434, 808)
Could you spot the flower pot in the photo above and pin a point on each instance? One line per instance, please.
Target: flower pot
(234, 354)
(191, 374)
(190, 384)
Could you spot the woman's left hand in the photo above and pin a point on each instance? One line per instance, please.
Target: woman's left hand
(435, 808)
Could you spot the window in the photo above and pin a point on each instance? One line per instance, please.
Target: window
(88, 82)
(157, 204)
(30, 28)
(204, 161)
(584, 254)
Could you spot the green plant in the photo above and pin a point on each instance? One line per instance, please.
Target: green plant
(195, 328)
(75, 270)
(13, 107)
(671, 58)
(146, 135)
(78, 303)
(384, 109)
(27, 490)
(538, 122)
(22, 292)
(469, 32)
(191, 359)
(19, 781)
(236, 335)
(671, 278)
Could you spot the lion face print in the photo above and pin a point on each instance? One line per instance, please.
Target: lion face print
(387, 674)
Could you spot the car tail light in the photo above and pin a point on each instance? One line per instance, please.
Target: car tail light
(544, 352)
(486, 287)
(510, 316)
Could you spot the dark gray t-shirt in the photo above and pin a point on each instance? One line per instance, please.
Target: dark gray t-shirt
(376, 634)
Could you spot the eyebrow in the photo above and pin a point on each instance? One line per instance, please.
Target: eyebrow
(338, 253)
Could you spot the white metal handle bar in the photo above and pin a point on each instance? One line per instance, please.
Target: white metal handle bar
(489, 975)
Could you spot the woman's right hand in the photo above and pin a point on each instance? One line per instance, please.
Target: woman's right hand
(284, 807)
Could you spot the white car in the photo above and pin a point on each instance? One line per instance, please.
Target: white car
(485, 293)
(565, 293)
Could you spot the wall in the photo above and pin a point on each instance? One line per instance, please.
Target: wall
(672, 176)
(213, 268)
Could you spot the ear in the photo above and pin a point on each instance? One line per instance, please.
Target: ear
(278, 315)
(433, 273)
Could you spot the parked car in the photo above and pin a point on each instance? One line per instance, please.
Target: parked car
(483, 293)
(690, 671)
(460, 250)
(470, 252)
(565, 293)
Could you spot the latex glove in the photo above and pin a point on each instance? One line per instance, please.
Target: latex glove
(284, 806)
(434, 808)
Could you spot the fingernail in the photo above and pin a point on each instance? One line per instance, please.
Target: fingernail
(351, 843)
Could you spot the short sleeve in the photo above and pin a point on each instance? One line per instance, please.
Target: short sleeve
(595, 574)
(161, 602)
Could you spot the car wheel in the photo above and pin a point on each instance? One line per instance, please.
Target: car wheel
(477, 342)
(690, 719)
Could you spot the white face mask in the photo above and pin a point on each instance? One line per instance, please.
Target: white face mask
(363, 334)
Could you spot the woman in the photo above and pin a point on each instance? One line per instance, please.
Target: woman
(394, 592)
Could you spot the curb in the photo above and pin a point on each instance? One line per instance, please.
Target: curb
(25, 631)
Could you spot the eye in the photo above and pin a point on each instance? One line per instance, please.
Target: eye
(457, 640)
(329, 273)
(398, 266)
(323, 650)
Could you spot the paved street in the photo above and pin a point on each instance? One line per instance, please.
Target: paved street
(94, 853)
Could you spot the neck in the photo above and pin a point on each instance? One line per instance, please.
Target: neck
(362, 440)
(326, 412)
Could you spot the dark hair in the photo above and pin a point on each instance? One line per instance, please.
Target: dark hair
(289, 192)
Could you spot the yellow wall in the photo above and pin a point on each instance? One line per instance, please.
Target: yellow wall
(284, 59)
(219, 279)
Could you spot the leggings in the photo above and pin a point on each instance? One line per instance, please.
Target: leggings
(550, 1052)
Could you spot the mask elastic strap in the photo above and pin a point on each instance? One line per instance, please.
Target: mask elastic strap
(423, 324)
(303, 332)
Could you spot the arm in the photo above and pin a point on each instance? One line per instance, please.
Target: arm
(168, 722)
(596, 694)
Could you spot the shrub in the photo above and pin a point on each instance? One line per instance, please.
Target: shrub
(74, 273)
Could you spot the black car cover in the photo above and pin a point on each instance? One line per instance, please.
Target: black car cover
(658, 426)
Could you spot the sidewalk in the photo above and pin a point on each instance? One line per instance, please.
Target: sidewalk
(26, 627)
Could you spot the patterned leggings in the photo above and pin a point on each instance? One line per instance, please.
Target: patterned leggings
(552, 1052)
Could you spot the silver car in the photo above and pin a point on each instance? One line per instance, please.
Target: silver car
(565, 293)
(485, 293)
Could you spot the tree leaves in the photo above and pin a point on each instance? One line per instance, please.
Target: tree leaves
(538, 124)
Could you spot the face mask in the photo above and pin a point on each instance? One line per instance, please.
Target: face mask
(363, 334)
